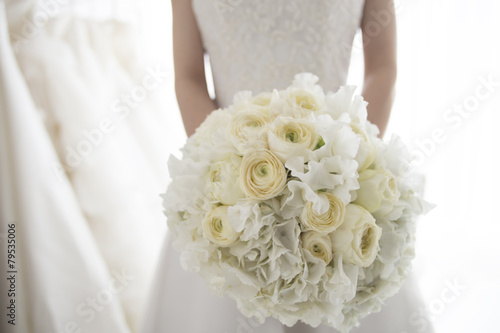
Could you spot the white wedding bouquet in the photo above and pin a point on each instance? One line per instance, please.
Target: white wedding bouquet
(289, 203)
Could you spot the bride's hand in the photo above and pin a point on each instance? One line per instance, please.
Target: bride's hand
(379, 43)
(190, 83)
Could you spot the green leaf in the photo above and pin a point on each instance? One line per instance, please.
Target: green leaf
(320, 143)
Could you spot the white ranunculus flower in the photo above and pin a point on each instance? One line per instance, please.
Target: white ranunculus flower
(262, 99)
(246, 130)
(357, 239)
(378, 191)
(301, 102)
(262, 175)
(318, 244)
(222, 181)
(323, 223)
(303, 99)
(290, 137)
(217, 228)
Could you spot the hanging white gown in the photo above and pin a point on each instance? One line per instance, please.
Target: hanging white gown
(80, 169)
(259, 45)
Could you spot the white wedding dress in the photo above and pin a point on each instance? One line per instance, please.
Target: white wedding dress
(91, 233)
(259, 45)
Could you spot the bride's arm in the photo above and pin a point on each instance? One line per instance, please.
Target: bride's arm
(190, 84)
(379, 42)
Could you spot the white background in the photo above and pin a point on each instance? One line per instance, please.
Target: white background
(446, 49)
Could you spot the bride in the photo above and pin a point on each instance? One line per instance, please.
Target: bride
(260, 45)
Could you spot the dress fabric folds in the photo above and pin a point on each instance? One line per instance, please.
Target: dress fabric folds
(83, 133)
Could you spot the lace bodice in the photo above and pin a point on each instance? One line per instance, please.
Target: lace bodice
(259, 45)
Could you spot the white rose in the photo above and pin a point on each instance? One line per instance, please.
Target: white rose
(217, 229)
(246, 129)
(290, 137)
(262, 175)
(378, 191)
(323, 223)
(222, 181)
(318, 244)
(358, 237)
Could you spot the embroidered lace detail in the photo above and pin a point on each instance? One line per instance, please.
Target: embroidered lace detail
(259, 45)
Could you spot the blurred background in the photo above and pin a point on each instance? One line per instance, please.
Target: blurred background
(110, 63)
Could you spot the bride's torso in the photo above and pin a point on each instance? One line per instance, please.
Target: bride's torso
(260, 45)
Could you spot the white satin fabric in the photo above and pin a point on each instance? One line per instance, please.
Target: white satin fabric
(80, 170)
(259, 45)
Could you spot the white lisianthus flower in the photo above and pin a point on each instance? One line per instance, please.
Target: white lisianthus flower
(357, 239)
(217, 229)
(378, 191)
(318, 244)
(333, 173)
(290, 137)
(395, 157)
(323, 223)
(308, 82)
(222, 181)
(338, 137)
(343, 102)
(262, 175)
(247, 128)
(366, 152)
